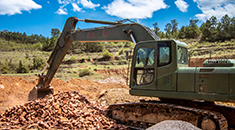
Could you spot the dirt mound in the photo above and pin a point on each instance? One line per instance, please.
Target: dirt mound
(65, 110)
(13, 91)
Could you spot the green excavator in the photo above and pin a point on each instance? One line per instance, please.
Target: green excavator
(159, 69)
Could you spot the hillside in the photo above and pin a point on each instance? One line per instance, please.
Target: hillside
(92, 57)
(219, 49)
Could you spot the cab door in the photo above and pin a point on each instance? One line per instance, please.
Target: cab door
(166, 66)
(144, 64)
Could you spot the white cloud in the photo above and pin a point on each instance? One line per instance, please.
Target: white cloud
(182, 5)
(76, 8)
(217, 8)
(89, 4)
(62, 11)
(136, 9)
(64, 1)
(75, 5)
(12, 7)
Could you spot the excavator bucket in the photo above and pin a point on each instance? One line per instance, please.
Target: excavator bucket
(39, 93)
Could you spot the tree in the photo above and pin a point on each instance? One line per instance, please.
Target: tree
(53, 41)
(159, 33)
(182, 32)
(232, 28)
(156, 28)
(168, 28)
(8, 36)
(192, 31)
(47, 45)
(55, 32)
(205, 29)
(213, 29)
(171, 29)
(24, 37)
(174, 31)
(223, 28)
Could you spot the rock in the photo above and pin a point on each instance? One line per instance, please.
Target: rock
(2, 86)
(64, 110)
(173, 125)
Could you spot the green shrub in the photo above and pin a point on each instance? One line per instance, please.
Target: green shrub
(38, 63)
(107, 55)
(7, 67)
(85, 72)
(4, 69)
(92, 46)
(22, 68)
(38, 46)
(73, 58)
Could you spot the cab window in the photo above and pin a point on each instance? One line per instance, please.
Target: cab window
(182, 55)
(145, 57)
(144, 66)
(164, 53)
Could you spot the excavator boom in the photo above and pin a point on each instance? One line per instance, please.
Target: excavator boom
(118, 31)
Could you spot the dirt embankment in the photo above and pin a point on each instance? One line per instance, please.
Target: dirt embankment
(198, 62)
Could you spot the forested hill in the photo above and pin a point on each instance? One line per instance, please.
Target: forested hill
(18, 41)
(212, 30)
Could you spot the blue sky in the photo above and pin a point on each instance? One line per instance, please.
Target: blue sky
(40, 16)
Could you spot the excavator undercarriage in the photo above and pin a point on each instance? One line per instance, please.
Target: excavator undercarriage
(147, 113)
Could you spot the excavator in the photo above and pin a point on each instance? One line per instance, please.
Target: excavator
(160, 69)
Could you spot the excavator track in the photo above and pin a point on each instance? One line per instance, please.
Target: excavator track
(146, 114)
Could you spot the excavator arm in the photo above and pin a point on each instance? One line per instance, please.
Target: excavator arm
(118, 31)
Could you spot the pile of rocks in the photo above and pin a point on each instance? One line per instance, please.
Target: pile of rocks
(64, 110)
